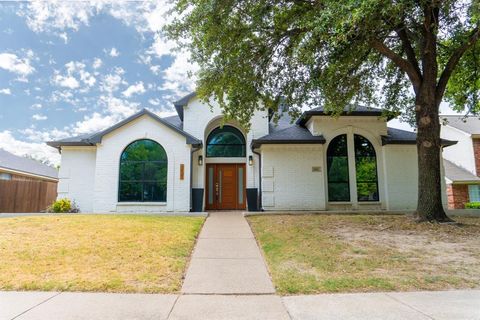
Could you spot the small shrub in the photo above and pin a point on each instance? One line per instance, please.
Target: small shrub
(63, 206)
(472, 205)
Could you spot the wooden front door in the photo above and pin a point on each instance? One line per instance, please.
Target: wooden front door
(225, 185)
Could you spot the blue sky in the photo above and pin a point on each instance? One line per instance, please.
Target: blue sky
(68, 68)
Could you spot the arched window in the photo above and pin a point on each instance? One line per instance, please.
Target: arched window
(366, 169)
(143, 172)
(337, 166)
(226, 141)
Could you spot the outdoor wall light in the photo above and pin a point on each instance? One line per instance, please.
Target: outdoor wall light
(200, 160)
(250, 160)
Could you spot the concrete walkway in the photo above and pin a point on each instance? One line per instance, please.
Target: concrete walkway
(226, 259)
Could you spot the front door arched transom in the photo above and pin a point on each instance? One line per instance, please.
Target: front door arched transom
(226, 142)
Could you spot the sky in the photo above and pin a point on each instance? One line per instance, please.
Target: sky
(68, 68)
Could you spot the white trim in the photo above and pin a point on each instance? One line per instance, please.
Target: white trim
(225, 160)
(22, 173)
(141, 204)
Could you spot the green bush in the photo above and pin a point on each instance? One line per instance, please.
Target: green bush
(472, 205)
(63, 206)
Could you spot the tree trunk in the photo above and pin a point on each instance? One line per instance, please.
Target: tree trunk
(430, 206)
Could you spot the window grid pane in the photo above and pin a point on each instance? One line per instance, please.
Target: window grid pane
(474, 193)
(143, 172)
(366, 170)
(337, 170)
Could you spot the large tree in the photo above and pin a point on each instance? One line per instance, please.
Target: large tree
(402, 55)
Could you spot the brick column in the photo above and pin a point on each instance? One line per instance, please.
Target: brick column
(457, 195)
(476, 154)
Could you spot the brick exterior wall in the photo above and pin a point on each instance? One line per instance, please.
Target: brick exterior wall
(457, 196)
(476, 154)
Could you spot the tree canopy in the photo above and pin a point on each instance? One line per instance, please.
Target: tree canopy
(332, 53)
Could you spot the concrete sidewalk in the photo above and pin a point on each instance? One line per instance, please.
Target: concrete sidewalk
(445, 305)
(226, 259)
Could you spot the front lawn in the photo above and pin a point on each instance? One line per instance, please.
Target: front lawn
(113, 253)
(361, 253)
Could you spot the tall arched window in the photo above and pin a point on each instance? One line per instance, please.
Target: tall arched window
(143, 172)
(337, 166)
(226, 141)
(366, 169)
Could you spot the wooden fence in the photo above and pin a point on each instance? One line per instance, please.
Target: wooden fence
(26, 196)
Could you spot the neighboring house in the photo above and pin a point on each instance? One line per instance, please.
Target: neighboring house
(197, 161)
(462, 161)
(26, 185)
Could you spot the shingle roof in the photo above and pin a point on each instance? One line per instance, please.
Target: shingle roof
(290, 135)
(469, 125)
(398, 136)
(94, 138)
(10, 161)
(356, 110)
(457, 174)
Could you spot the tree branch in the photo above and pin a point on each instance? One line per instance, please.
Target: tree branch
(453, 62)
(407, 46)
(400, 62)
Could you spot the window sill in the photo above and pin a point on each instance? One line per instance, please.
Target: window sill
(141, 203)
(351, 203)
(340, 202)
(369, 202)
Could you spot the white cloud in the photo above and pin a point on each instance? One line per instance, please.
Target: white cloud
(11, 62)
(36, 150)
(114, 53)
(36, 106)
(111, 82)
(95, 122)
(177, 77)
(155, 69)
(64, 36)
(57, 16)
(137, 88)
(164, 113)
(118, 107)
(66, 81)
(97, 63)
(161, 47)
(39, 117)
(74, 69)
(154, 102)
(34, 135)
(6, 91)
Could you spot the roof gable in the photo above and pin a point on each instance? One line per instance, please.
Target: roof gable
(179, 104)
(470, 125)
(92, 139)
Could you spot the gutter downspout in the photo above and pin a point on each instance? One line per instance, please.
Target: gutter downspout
(260, 208)
(191, 172)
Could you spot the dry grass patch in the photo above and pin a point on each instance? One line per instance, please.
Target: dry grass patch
(112, 253)
(362, 253)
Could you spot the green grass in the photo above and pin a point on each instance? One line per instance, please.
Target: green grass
(111, 253)
(309, 254)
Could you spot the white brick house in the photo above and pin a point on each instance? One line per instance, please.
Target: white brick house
(196, 161)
